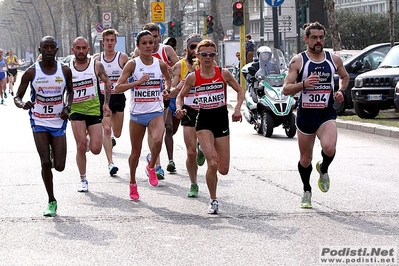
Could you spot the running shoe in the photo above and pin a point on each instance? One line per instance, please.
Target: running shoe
(193, 193)
(5, 94)
(152, 176)
(200, 156)
(113, 141)
(51, 209)
(2, 101)
(134, 193)
(112, 169)
(213, 207)
(171, 166)
(83, 186)
(160, 173)
(12, 93)
(324, 179)
(306, 202)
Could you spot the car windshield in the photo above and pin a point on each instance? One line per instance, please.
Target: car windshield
(391, 60)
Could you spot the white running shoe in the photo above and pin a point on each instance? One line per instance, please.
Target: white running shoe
(83, 186)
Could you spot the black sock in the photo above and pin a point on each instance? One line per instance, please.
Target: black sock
(305, 176)
(326, 162)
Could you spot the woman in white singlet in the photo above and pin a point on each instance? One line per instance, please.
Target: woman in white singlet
(148, 80)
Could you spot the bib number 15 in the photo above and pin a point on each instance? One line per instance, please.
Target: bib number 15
(48, 109)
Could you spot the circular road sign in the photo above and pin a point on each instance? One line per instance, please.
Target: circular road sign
(99, 27)
(274, 3)
(162, 28)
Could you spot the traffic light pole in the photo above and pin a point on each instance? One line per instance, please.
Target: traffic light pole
(242, 55)
(204, 27)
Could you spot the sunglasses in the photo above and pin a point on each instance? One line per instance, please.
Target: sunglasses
(205, 54)
(193, 46)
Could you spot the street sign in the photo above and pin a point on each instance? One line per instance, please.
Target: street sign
(158, 11)
(284, 24)
(107, 20)
(99, 27)
(162, 28)
(274, 3)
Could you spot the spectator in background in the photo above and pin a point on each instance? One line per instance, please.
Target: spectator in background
(171, 42)
(249, 48)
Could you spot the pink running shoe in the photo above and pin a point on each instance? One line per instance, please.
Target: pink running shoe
(152, 176)
(134, 194)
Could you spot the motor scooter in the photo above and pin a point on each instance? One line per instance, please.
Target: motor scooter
(267, 106)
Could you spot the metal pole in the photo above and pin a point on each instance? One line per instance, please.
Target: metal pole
(262, 23)
(52, 19)
(275, 29)
(198, 17)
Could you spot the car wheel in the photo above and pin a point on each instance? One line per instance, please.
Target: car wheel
(290, 128)
(340, 107)
(364, 111)
(267, 124)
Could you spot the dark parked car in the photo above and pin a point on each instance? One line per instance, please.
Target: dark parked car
(368, 59)
(377, 90)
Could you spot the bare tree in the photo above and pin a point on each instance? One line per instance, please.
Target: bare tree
(143, 11)
(335, 36)
(218, 34)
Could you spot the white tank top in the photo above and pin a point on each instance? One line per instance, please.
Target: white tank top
(47, 92)
(112, 69)
(147, 97)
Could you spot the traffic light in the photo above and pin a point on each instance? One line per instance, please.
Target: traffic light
(179, 28)
(302, 16)
(171, 29)
(209, 24)
(238, 13)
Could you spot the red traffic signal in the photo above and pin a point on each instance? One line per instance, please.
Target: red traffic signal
(171, 29)
(209, 24)
(238, 14)
(238, 5)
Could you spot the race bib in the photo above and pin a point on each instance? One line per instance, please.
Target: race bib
(316, 97)
(84, 90)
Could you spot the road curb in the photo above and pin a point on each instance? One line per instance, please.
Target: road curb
(380, 130)
(386, 131)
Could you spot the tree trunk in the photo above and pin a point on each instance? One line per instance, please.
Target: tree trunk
(218, 33)
(336, 40)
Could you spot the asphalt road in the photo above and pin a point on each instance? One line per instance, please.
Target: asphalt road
(260, 221)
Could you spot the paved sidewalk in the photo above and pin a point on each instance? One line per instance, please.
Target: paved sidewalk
(386, 131)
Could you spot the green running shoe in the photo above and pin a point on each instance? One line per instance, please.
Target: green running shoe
(193, 193)
(324, 179)
(171, 166)
(306, 202)
(200, 156)
(51, 209)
